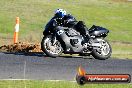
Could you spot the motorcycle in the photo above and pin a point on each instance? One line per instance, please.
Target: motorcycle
(69, 41)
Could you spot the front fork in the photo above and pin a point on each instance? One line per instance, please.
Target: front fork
(53, 39)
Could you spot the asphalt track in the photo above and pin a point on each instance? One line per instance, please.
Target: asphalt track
(39, 67)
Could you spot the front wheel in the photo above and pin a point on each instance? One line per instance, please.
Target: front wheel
(103, 52)
(49, 49)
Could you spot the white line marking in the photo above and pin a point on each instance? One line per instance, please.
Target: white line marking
(24, 74)
(14, 79)
(34, 79)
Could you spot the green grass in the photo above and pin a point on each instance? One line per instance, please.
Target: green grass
(61, 84)
(34, 14)
(116, 16)
(121, 50)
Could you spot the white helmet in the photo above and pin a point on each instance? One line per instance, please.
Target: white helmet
(60, 13)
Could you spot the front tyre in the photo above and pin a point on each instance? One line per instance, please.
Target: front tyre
(49, 49)
(103, 52)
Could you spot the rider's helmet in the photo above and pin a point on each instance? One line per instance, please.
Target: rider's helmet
(60, 13)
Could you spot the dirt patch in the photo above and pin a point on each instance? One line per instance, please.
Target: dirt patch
(21, 47)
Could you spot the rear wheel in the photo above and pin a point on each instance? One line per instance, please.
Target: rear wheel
(103, 52)
(49, 49)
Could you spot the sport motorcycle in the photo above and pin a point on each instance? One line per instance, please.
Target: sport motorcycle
(70, 41)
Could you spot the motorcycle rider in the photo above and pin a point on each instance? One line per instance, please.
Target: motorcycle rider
(62, 20)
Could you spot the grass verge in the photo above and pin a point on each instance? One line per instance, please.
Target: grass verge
(116, 16)
(54, 84)
(121, 50)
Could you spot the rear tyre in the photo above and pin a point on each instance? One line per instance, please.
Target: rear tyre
(103, 52)
(49, 49)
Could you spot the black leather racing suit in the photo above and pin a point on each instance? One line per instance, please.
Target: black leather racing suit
(67, 21)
